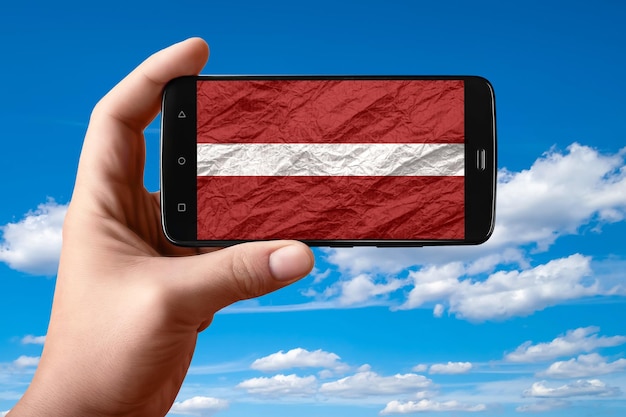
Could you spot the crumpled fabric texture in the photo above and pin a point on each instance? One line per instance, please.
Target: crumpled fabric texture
(329, 205)
(331, 159)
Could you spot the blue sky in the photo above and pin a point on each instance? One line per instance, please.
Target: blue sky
(531, 322)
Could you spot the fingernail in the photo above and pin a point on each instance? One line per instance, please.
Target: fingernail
(290, 262)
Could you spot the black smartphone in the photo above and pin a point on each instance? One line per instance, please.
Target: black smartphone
(328, 160)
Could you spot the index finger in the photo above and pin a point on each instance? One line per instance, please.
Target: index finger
(114, 141)
(135, 100)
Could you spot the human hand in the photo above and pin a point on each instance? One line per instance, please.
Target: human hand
(128, 305)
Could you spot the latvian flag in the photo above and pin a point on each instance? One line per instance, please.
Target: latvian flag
(330, 159)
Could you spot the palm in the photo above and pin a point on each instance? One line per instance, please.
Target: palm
(119, 302)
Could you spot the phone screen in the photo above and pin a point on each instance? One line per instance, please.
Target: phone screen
(330, 159)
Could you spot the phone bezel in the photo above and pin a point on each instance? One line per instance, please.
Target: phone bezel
(178, 180)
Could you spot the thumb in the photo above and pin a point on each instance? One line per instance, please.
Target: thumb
(214, 280)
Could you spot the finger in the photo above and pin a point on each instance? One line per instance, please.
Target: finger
(135, 100)
(214, 280)
(114, 141)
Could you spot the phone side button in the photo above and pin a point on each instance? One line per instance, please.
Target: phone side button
(481, 159)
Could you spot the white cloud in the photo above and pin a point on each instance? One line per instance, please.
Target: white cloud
(520, 293)
(555, 196)
(591, 387)
(26, 361)
(298, 358)
(33, 244)
(397, 407)
(280, 386)
(362, 288)
(325, 374)
(420, 368)
(478, 258)
(451, 368)
(33, 340)
(4, 413)
(319, 276)
(484, 263)
(584, 366)
(368, 383)
(504, 294)
(584, 339)
(199, 406)
(499, 296)
(542, 406)
(434, 283)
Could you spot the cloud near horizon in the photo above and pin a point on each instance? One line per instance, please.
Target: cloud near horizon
(298, 358)
(581, 340)
(446, 389)
(33, 244)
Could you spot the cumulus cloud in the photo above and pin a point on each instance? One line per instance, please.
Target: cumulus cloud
(33, 244)
(298, 358)
(368, 383)
(280, 386)
(504, 294)
(33, 340)
(591, 387)
(542, 406)
(26, 361)
(397, 407)
(4, 413)
(520, 293)
(584, 339)
(559, 193)
(434, 283)
(199, 406)
(450, 368)
(420, 368)
(584, 366)
(555, 196)
(362, 288)
(498, 296)
(319, 276)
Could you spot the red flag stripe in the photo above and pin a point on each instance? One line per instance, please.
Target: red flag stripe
(296, 207)
(330, 111)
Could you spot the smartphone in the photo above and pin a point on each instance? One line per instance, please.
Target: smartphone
(328, 160)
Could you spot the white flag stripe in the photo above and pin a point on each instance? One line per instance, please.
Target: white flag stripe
(331, 159)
